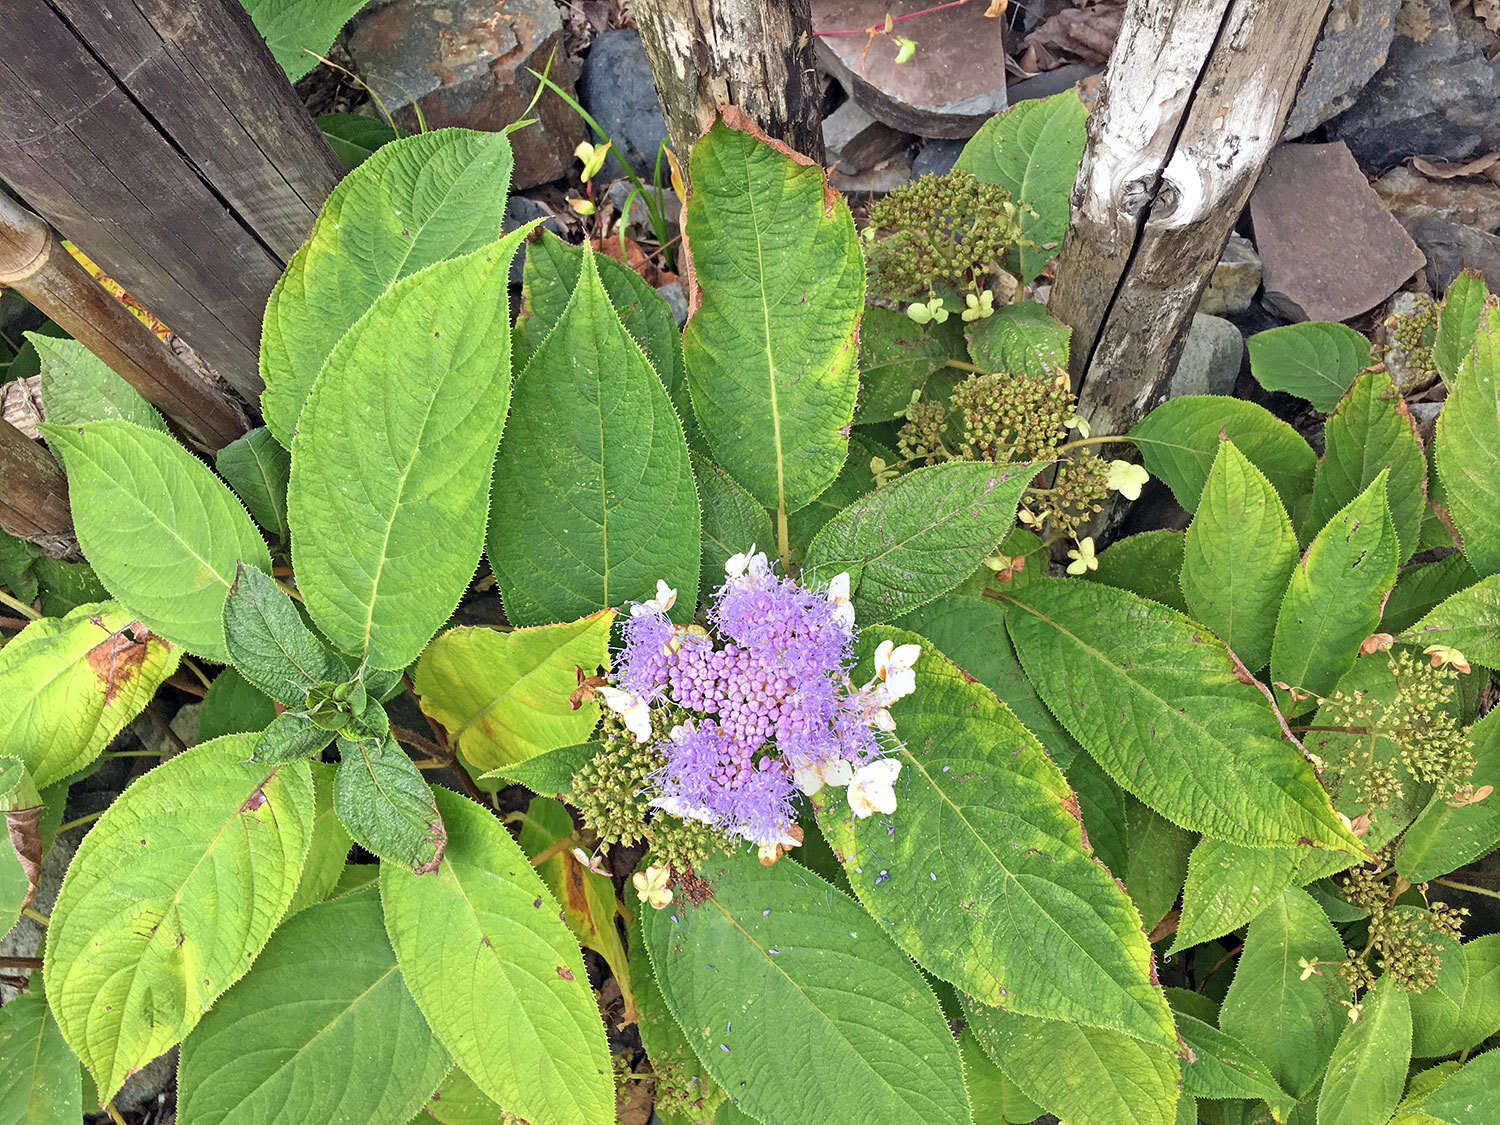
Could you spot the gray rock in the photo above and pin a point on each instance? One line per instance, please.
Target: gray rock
(519, 210)
(877, 181)
(1398, 360)
(954, 84)
(1235, 279)
(1211, 357)
(1352, 47)
(856, 142)
(937, 157)
(147, 1087)
(617, 90)
(1411, 195)
(1436, 96)
(1451, 249)
(621, 190)
(25, 937)
(676, 300)
(1329, 248)
(1050, 82)
(465, 63)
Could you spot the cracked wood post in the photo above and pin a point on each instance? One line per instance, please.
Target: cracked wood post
(34, 263)
(34, 495)
(1195, 98)
(754, 54)
(163, 139)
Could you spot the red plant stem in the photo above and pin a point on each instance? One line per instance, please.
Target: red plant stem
(877, 28)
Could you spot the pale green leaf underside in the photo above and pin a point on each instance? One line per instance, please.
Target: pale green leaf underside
(1468, 450)
(771, 349)
(982, 875)
(524, 1025)
(162, 532)
(1154, 698)
(594, 499)
(169, 899)
(780, 966)
(40, 1083)
(1367, 1070)
(299, 30)
(391, 468)
(78, 387)
(416, 201)
(321, 1029)
(1315, 360)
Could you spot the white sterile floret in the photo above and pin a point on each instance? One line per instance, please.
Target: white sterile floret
(872, 789)
(810, 777)
(635, 712)
(651, 885)
(838, 594)
(665, 599)
(893, 665)
(738, 564)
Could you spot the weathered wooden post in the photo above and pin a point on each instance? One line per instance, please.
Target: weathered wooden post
(1194, 99)
(36, 265)
(163, 139)
(34, 495)
(754, 54)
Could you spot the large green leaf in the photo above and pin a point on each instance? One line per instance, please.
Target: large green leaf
(297, 31)
(417, 201)
(71, 683)
(1085, 1075)
(78, 387)
(992, 1094)
(329, 847)
(779, 284)
(391, 464)
(1222, 1067)
(1444, 837)
(1421, 588)
(1156, 700)
(733, 521)
(321, 1029)
(1314, 360)
(1468, 621)
(40, 1083)
(1468, 450)
(594, 499)
(1034, 923)
(271, 645)
(1469, 1096)
(1367, 1070)
(1148, 563)
(257, 467)
(1032, 150)
(899, 358)
(919, 536)
(1333, 600)
(386, 805)
(779, 965)
(1290, 1022)
(169, 899)
(524, 1025)
(504, 697)
(1371, 431)
(679, 1074)
(1180, 439)
(1463, 1008)
(1458, 321)
(1240, 553)
(162, 532)
(1229, 884)
(1021, 339)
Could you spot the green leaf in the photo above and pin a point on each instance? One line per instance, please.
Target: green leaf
(919, 536)
(672, 1060)
(1367, 1071)
(898, 358)
(1463, 1009)
(1314, 360)
(169, 899)
(1240, 553)
(417, 201)
(65, 586)
(504, 697)
(854, 481)
(386, 806)
(1333, 600)
(1222, 1067)
(1020, 339)
(779, 965)
(1180, 439)
(353, 136)
(162, 532)
(1421, 588)
(1106, 1078)
(391, 465)
(1468, 450)
(78, 387)
(1467, 1097)
(1444, 838)
(296, 30)
(1468, 621)
(330, 844)
(1458, 321)
(1371, 431)
(550, 774)
(733, 521)
(595, 500)
(233, 706)
(484, 917)
(18, 560)
(321, 1029)
(1043, 928)
(270, 643)
(992, 1095)
(771, 347)
(553, 268)
(257, 468)
(70, 684)
(1147, 563)
(289, 737)
(1155, 699)
(1032, 150)
(1289, 1022)
(40, 1083)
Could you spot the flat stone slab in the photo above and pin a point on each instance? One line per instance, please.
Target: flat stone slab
(1329, 247)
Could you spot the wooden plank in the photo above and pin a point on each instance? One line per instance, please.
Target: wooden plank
(34, 495)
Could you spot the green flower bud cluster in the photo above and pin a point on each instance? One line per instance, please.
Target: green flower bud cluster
(607, 791)
(1077, 495)
(1406, 942)
(995, 417)
(681, 844)
(940, 229)
(1412, 335)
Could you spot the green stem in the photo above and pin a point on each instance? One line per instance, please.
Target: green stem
(783, 539)
(1081, 442)
(1470, 887)
(35, 915)
(61, 828)
(19, 606)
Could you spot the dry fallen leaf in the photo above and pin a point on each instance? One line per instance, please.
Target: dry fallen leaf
(997, 9)
(1489, 12)
(1086, 33)
(1449, 170)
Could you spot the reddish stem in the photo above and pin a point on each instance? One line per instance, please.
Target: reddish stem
(877, 28)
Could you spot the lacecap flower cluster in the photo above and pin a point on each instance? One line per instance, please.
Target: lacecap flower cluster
(761, 703)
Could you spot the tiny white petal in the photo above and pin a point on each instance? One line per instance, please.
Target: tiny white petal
(900, 683)
(883, 657)
(871, 790)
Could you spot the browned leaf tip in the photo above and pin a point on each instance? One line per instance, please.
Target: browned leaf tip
(117, 659)
(439, 836)
(25, 829)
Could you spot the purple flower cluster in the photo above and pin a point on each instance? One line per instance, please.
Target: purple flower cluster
(764, 706)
